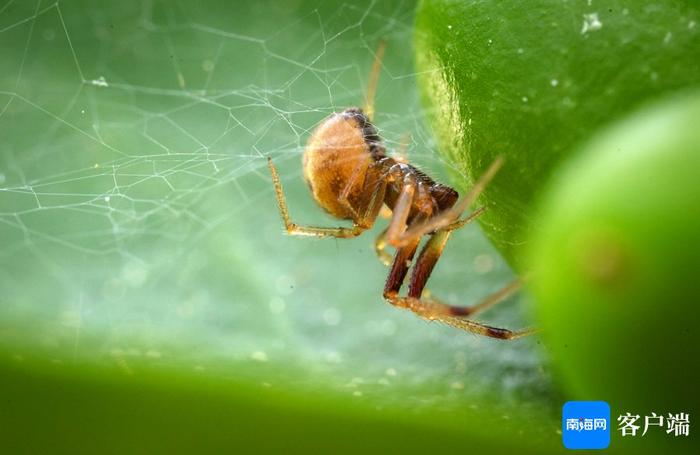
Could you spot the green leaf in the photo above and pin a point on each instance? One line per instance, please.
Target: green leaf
(150, 300)
(531, 80)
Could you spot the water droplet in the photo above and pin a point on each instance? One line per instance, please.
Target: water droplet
(591, 23)
(554, 82)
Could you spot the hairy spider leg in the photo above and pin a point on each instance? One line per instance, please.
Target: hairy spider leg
(370, 205)
(486, 330)
(399, 269)
(435, 310)
(374, 79)
(449, 217)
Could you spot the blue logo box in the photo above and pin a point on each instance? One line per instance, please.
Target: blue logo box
(586, 425)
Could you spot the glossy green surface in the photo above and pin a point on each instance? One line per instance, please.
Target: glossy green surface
(531, 80)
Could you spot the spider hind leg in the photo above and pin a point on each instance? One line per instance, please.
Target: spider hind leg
(433, 309)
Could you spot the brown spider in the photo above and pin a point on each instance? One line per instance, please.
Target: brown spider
(351, 177)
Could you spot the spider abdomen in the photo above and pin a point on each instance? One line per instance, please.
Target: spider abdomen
(337, 157)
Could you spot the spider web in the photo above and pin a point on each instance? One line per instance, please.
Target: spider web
(137, 215)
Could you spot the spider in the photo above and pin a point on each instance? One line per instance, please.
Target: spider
(351, 177)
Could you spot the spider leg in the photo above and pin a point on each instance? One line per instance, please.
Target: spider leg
(372, 198)
(373, 79)
(380, 249)
(343, 198)
(402, 208)
(424, 267)
(487, 330)
(380, 243)
(373, 195)
(466, 220)
(433, 309)
(312, 231)
(404, 254)
(399, 268)
(450, 217)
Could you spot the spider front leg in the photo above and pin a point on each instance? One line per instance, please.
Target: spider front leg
(371, 203)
